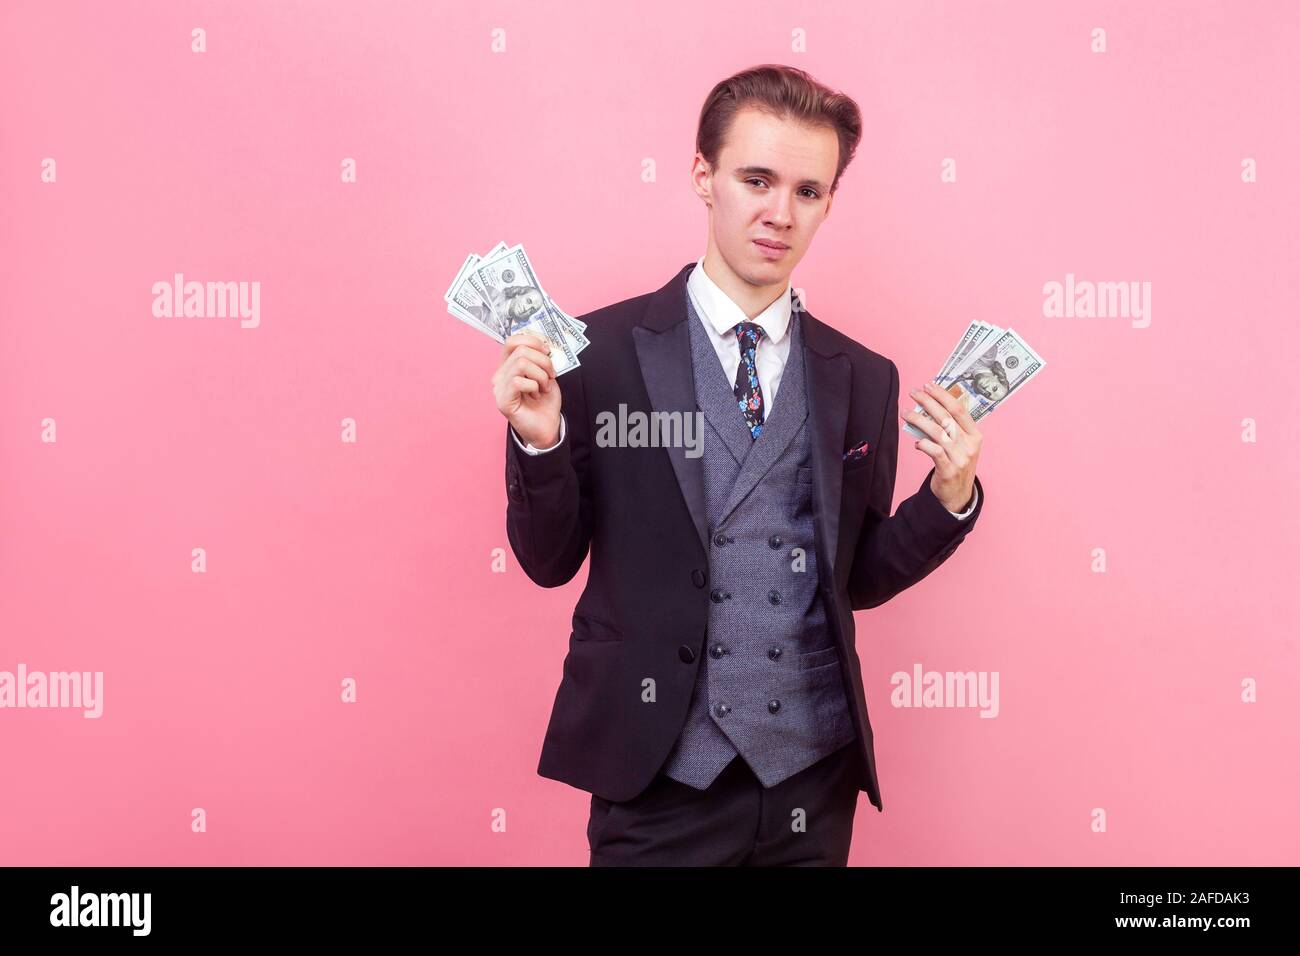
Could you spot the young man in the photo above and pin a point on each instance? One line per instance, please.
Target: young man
(712, 698)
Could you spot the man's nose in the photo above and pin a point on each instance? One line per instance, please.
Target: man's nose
(779, 212)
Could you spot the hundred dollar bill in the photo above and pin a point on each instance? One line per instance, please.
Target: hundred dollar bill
(498, 308)
(573, 324)
(468, 304)
(484, 317)
(459, 305)
(988, 377)
(569, 321)
(509, 285)
(976, 333)
(574, 327)
(464, 302)
(512, 268)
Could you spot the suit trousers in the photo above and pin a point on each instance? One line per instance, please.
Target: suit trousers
(805, 820)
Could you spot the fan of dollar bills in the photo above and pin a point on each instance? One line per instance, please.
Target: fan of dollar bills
(987, 365)
(499, 294)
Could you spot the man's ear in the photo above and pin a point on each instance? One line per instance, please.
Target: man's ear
(703, 191)
(829, 199)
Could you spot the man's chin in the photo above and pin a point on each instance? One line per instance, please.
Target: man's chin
(769, 273)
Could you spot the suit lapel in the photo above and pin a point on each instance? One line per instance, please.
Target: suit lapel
(828, 372)
(663, 350)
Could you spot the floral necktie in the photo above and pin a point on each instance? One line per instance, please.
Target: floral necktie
(749, 396)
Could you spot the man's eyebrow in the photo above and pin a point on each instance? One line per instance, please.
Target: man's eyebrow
(771, 174)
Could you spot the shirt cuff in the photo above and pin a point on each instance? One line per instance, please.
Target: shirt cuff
(532, 449)
(963, 515)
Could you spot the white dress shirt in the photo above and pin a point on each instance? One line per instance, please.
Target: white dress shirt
(719, 315)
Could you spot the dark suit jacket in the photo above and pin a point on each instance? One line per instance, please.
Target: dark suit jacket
(638, 629)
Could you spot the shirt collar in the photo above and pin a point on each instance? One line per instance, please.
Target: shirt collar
(723, 314)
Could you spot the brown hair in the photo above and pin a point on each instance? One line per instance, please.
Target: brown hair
(787, 93)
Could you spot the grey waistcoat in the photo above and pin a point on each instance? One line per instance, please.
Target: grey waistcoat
(769, 686)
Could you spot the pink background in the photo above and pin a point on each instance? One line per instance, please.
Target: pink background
(374, 561)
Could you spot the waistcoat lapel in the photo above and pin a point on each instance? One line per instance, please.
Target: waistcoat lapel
(778, 429)
(714, 393)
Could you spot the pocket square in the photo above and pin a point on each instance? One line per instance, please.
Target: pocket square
(856, 452)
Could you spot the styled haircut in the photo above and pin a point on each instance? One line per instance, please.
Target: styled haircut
(787, 93)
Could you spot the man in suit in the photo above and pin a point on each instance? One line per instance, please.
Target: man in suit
(712, 699)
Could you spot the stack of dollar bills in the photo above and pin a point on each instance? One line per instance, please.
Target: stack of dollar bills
(987, 365)
(499, 294)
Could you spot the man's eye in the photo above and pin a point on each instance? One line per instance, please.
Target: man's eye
(812, 193)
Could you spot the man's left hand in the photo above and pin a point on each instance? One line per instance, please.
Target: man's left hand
(954, 444)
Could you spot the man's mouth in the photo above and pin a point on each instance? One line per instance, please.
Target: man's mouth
(771, 251)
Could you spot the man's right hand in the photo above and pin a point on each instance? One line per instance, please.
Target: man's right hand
(526, 389)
